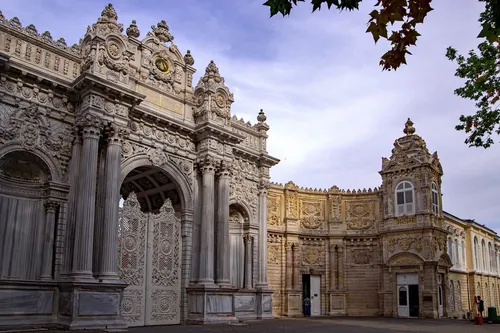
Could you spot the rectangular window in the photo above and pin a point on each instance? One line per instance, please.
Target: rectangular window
(409, 208)
(401, 209)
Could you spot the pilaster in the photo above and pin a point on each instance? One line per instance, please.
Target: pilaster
(206, 274)
(223, 248)
(108, 259)
(82, 256)
(48, 246)
(248, 241)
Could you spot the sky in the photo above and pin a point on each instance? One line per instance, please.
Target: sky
(333, 112)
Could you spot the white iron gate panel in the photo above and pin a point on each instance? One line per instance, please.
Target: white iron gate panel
(150, 257)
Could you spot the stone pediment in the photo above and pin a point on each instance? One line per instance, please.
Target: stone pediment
(153, 66)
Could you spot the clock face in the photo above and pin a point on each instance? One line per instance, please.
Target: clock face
(162, 65)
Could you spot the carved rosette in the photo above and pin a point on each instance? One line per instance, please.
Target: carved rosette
(311, 215)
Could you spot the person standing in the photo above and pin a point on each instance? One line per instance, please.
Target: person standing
(307, 307)
(480, 305)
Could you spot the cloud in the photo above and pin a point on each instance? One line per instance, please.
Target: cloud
(333, 113)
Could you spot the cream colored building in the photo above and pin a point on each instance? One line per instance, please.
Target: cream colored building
(389, 251)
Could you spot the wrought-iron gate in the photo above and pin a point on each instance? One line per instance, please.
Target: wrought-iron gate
(149, 255)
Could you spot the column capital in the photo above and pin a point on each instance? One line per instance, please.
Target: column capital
(264, 186)
(224, 169)
(90, 126)
(248, 238)
(207, 165)
(51, 206)
(115, 134)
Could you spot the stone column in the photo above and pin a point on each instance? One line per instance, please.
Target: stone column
(248, 240)
(48, 244)
(262, 282)
(340, 267)
(223, 249)
(84, 232)
(72, 204)
(108, 259)
(206, 275)
(296, 266)
(333, 267)
(289, 265)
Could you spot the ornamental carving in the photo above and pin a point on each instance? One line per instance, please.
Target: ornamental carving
(405, 220)
(243, 189)
(274, 211)
(157, 157)
(292, 201)
(405, 262)
(312, 256)
(362, 256)
(405, 242)
(273, 254)
(312, 214)
(32, 129)
(335, 208)
(360, 215)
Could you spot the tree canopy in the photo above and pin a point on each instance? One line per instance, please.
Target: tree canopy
(479, 69)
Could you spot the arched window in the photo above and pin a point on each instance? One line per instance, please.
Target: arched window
(464, 259)
(405, 202)
(492, 257)
(476, 254)
(435, 199)
(483, 252)
(450, 250)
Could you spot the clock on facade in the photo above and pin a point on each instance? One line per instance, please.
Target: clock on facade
(162, 65)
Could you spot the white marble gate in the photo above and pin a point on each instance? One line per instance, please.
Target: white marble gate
(149, 258)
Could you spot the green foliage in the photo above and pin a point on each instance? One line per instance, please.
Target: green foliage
(482, 80)
(409, 13)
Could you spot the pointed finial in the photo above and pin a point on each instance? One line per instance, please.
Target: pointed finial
(162, 32)
(262, 116)
(212, 68)
(133, 30)
(188, 58)
(409, 129)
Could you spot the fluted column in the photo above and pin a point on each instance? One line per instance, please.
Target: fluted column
(206, 275)
(108, 259)
(340, 268)
(296, 266)
(333, 266)
(72, 205)
(289, 265)
(248, 240)
(84, 236)
(48, 244)
(262, 282)
(223, 249)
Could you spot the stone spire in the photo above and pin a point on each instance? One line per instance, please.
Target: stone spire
(162, 33)
(108, 22)
(409, 129)
(212, 96)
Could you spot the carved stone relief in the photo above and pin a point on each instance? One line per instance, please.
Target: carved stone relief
(311, 214)
(292, 204)
(273, 254)
(335, 208)
(32, 129)
(243, 189)
(362, 256)
(360, 215)
(274, 211)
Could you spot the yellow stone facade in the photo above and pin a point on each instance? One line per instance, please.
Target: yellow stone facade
(389, 251)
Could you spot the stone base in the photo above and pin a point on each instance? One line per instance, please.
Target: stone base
(337, 304)
(67, 305)
(90, 305)
(293, 304)
(211, 305)
(264, 303)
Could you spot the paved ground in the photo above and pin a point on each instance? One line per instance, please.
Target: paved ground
(324, 325)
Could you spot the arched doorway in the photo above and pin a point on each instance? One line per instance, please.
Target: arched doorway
(150, 248)
(27, 218)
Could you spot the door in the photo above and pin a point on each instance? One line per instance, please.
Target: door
(403, 302)
(149, 258)
(315, 295)
(440, 300)
(413, 300)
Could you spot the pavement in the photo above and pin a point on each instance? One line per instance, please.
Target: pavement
(326, 324)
